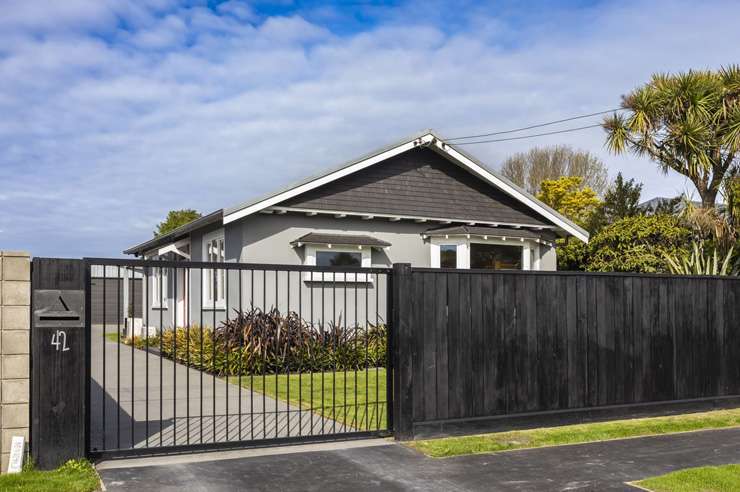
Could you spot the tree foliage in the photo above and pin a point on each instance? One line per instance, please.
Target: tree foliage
(637, 244)
(688, 123)
(568, 196)
(175, 219)
(622, 199)
(529, 169)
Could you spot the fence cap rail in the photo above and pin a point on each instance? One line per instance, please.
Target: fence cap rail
(123, 262)
(564, 273)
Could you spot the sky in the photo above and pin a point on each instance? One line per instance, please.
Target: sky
(113, 112)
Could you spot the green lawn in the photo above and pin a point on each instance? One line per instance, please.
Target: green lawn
(357, 399)
(705, 479)
(112, 337)
(73, 476)
(573, 434)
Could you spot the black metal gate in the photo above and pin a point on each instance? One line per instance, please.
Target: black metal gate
(215, 355)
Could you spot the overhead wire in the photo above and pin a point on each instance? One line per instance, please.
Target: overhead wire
(539, 125)
(567, 130)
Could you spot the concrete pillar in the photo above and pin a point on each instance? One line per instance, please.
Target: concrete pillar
(15, 329)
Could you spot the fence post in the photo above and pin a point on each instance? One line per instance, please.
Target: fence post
(15, 328)
(402, 357)
(59, 361)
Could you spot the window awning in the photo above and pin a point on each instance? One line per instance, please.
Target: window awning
(496, 232)
(340, 240)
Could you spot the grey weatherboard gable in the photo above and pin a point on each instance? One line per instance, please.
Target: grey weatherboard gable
(422, 183)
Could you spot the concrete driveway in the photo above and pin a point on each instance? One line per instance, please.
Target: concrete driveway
(139, 399)
(386, 466)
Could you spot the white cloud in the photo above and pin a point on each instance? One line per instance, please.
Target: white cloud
(116, 112)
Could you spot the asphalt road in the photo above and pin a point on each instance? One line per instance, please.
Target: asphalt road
(392, 467)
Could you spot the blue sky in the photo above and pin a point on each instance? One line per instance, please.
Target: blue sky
(115, 111)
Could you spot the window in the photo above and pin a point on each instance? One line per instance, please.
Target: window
(214, 280)
(484, 253)
(495, 256)
(448, 256)
(338, 258)
(159, 287)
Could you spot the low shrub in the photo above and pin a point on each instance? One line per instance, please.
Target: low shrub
(256, 342)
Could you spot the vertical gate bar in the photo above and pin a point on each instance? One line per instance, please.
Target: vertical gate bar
(131, 285)
(354, 420)
(161, 337)
(251, 370)
(377, 333)
(146, 353)
(312, 368)
(212, 303)
(323, 340)
(201, 365)
(264, 352)
(367, 382)
(225, 274)
(345, 329)
(241, 351)
(174, 358)
(277, 395)
(389, 349)
(118, 361)
(186, 288)
(334, 343)
(288, 351)
(105, 324)
(300, 363)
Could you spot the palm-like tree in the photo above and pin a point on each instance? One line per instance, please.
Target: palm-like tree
(688, 122)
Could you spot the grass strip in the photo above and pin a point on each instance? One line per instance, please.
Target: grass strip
(575, 434)
(73, 476)
(704, 479)
(356, 411)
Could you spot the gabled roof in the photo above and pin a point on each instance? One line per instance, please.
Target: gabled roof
(427, 139)
(175, 234)
(430, 140)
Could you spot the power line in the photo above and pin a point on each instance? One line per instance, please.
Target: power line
(535, 126)
(530, 136)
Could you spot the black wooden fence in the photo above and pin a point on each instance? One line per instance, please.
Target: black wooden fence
(484, 348)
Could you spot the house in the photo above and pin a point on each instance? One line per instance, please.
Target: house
(420, 201)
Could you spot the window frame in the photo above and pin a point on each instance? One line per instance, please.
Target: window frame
(529, 249)
(159, 277)
(311, 251)
(219, 303)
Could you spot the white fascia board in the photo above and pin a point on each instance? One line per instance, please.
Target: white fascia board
(236, 215)
(534, 204)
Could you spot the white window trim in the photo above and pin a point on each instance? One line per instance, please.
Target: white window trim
(463, 250)
(155, 283)
(310, 260)
(206, 279)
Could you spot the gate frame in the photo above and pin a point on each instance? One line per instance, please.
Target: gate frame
(391, 296)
